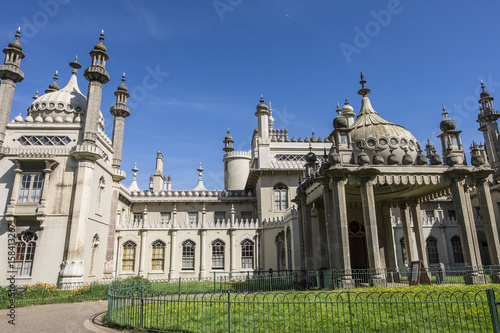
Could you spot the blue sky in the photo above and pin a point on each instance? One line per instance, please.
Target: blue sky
(195, 68)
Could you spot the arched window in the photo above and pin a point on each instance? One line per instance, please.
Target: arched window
(247, 249)
(280, 196)
(403, 249)
(100, 194)
(356, 229)
(218, 254)
(25, 253)
(458, 255)
(289, 247)
(128, 259)
(158, 255)
(188, 254)
(432, 250)
(94, 246)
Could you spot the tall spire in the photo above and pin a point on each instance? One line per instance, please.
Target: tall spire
(133, 186)
(363, 91)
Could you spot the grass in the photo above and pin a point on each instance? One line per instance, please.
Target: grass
(418, 308)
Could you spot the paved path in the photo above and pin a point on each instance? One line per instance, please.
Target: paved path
(52, 318)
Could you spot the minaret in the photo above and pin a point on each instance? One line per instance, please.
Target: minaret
(487, 120)
(97, 75)
(158, 178)
(120, 111)
(262, 115)
(228, 142)
(453, 151)
(10, 74)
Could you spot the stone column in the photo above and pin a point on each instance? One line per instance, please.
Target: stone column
(113, 221)
(464, 223)
(15, 190)
(332, 237)
(173, 246)
(390, 254)
(306, 231)
(256, 253)
(419, 233)
(117, 262)
(73, 266)
(143, 252)
(405, 221)
(367, 176)
(489, 223)
(203, 238)
(300, 218)
(338, 229)
(232, 250)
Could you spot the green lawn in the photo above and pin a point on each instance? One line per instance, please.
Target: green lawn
(418, 308)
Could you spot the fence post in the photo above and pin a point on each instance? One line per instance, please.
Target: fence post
(215, 283)
(229, 311)
(490, 294)
(350, 310)
(142, 308)
(180, 281)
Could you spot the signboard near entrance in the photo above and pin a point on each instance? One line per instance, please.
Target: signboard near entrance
(415, 272)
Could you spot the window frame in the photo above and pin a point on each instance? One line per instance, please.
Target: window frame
(129, 250)
(458, 253)
(26, 194)
(218, 254)
(192, 214)
(158, 249)
(280, 191)
(24, 259)
(188, 255)
(247, 253)
(432, 256)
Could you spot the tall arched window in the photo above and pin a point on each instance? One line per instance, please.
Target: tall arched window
(25, 253)
(458, 255)
(247, 249)
(280, 196)
(218, 254)
(403, 249)
(188, 254)
(94, 246)
(432, 250)
(289, 247)
(158, 255)
(128, 259)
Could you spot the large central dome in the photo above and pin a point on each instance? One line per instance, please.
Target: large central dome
(372, 133)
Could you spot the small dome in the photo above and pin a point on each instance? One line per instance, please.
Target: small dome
(100, 47)
(15, 44)
(122, 86)
(28, 119)
(347, 109)
(484, 94)
(311, 158)
(262, 106)
(54, 86)
(447, 125)
(340, 122)
(38, 119)
(18, 119)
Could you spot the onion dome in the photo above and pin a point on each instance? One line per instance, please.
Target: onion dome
(122, 86)
(340, 121)
(334, 157)
(18, 119)
(262, 106)
(421, 158)
(311, 157)
(228, 136)
(68, 101)
(447, 124)
(477, 160)
(15, 43)
(313, 138)
(484, 93)
(53, 86)
(436, 160)
(451, 159)
(100, 46)
(370, 131)
(347, 109)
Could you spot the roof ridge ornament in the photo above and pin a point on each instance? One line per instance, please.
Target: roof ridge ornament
(363, 91)
(445, 113)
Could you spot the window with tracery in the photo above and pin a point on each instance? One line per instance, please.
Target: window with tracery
(247, 250)
(158, 256)
(188, 254)
(432, 250)
(128, 259)
(25, 253)
(218, 254)
(456, 246)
